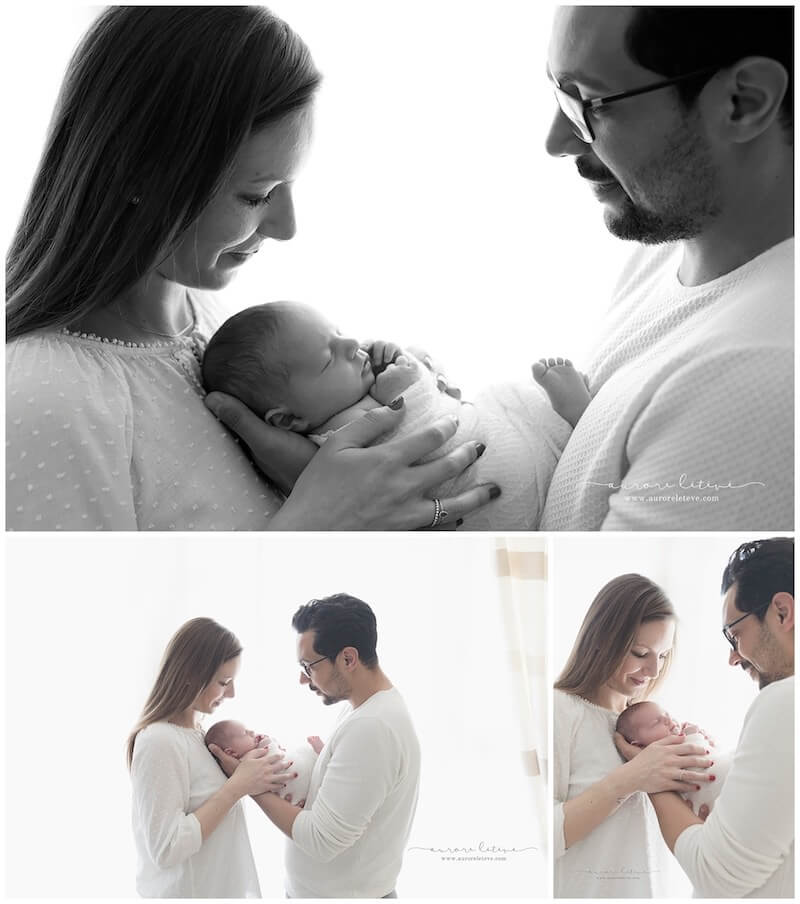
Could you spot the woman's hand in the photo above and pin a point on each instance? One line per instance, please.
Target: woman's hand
(317, 743)
(279, 454)
(352, 485)
(256, 772)
(664, 765)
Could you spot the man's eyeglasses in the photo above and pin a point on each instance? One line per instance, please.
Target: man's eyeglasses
(307, 666)
(726, 629)
(575, 108)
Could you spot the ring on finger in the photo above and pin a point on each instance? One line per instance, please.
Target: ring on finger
(439, 514)
(680, 776)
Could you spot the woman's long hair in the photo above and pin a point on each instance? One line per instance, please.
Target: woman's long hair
(155, 104)
(193, 656)
(609, 631)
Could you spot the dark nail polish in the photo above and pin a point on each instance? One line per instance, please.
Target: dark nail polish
(480, 449)
(397, 404)
(494, 492)
(697, 787)
(713, 778)
(459, 522)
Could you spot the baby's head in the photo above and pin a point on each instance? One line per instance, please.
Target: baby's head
(645, 722)
(233, 738)
(288, 364)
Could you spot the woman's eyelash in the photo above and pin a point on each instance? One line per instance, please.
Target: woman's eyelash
(258, 202)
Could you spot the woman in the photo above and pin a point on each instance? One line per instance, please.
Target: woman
(606, 836)
(188, 822)
(169, 162)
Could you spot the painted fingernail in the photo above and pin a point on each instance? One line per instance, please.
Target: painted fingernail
(711, 763)
(441, 384)
(713, 778)
(479, 450)
(697, 787)
(494, 492)
(397, 404)
(459, 522)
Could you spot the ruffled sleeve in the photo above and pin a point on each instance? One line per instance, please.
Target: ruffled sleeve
(68, 438)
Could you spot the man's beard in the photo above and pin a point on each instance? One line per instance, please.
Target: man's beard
(770, 652)
(681, 194)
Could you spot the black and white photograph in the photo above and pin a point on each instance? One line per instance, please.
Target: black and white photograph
(388, 266)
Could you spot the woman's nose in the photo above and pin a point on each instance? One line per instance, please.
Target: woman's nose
(229, 691)
(278, 221)
(561, 139)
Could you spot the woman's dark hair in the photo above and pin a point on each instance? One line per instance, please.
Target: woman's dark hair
(675, 40)
(760, 569)
(197, 650)
(155, 104)
(340, 621)
(609, 631)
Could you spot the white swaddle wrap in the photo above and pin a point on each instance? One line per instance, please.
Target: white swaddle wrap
(709, 791)
(302, 757)
(523, 436)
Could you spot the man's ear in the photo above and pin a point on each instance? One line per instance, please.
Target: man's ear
(284, 419)
(755, 86)
(784, 604)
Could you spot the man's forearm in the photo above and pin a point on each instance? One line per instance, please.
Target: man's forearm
(281, 812)
(674, 816)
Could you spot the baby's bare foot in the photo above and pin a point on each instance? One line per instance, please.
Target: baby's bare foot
(565, 387)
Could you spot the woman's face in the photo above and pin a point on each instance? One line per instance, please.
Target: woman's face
(253, 205)
(220, 687)
(645, 659)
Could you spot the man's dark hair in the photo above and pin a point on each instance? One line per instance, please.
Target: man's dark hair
(675, 40)
(340, 621)
(760, 570)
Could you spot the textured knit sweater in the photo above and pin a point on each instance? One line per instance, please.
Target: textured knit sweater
(690, 426)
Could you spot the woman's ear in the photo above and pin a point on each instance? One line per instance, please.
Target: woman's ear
(284, 419)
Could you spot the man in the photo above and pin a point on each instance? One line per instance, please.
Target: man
(680, 121)
(348, 839)
(745, 848)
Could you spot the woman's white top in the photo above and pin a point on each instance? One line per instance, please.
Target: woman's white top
(625, 856)
(103, 435)
(173, 774)
(745, 849)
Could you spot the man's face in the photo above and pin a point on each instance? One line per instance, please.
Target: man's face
(758, 650)
(651, 165)
(326, 680)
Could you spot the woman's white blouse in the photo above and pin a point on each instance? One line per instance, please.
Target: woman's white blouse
(625, 856)
(106, 436)
(173, 774)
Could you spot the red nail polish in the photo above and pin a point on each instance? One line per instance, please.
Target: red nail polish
(697, 787)
(712, 779)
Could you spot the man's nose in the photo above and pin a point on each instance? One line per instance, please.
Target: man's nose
(278, 221)
(304, 679)
(561, 139)
(734, 658)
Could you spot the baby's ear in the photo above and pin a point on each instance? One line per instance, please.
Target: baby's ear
(285, 420)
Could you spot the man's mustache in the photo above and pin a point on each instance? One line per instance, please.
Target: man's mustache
(587, 171)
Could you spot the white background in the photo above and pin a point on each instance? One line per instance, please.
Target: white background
(87, 622)
(701, 686)
(428, 211)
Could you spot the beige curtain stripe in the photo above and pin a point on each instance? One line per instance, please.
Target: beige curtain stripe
(523, 566)
(530, 762)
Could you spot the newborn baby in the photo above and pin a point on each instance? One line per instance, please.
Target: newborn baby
(291, 367)
(238, 741)
(642, 723)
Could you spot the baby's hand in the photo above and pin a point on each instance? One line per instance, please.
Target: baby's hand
(382, 354)
(690, 728)
(394, 380)
(316, 743)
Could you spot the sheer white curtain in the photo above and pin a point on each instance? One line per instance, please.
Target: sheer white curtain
(522, 579)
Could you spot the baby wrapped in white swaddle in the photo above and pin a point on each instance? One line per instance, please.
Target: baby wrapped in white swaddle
(290, 366)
